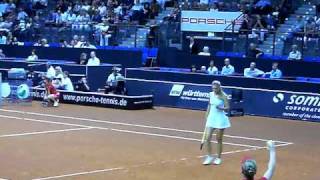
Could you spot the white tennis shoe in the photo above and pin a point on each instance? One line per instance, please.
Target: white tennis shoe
(55, 104)
(208, 160)
(217, 161)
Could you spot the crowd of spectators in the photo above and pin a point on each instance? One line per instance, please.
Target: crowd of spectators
(20, 20)
(228, 70)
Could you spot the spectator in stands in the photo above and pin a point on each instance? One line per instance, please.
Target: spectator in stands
(40, 4)
(5, 23)
(193, 69)
(103, 30)
(66, 82)
(82, 21)
(33, 56)
(249, 166)
(152, 36)
(58, 79)
(253, 51)
(318, 9)
(3, 38)
(252, 71)
(41, 82)
(155, 8)
(79, 42)
(87, 44)
(82, 85)
(205, 51)
(2, 55)
(261, 27)
(112, 81)
(203, 69)
(275, 73)
(227, 69)
(63, 43)
(44, 42)
(294, 53)
(51, 73)
(70, 17)
(83, 58)
(16, 42)
(194, 47)
(22, 15)
(212, 69)
(93, 60)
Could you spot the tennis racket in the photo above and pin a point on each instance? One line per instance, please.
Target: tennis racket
(203, 138)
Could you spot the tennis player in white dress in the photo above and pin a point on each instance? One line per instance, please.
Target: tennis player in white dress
(216, 121)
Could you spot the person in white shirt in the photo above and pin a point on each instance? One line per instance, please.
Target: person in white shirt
(227, 69)
(51, 73)
(66, 82)
(252, 71)
(294, 54)
(93, 61)
(205, 51)
(33, 56)
(58, 79)
(112, 81)
(103, 30)
(212, 69)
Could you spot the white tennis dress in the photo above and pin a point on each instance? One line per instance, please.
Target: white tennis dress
(217, 118)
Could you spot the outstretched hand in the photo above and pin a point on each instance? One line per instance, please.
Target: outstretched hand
(270, 145)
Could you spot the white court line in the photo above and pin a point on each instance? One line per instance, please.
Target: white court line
(133, 125)
(126, 131)
(43, 132)
(135, 166)
(147, 164)
(81, 173)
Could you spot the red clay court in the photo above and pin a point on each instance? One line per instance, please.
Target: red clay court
(78, 142)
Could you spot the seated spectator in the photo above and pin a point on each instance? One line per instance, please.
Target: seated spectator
(82, 85)
(254, 52)
(22, 15)
(82, 21)
(66, 82)
(44, 42)
(103, 30)
(79, 42)
(2, 55)
(16, 42)
(57, 80)
(275, 73)
(252, 71)
(194, 47)
(41, 83)
(40, 4)
(93, 60)
(83, 58)
(87, 45)
(3, 38)
(63, 43)
(203, 69)
(33, 56)
(193, 69)
(155, 8)
(294, 53)
(205, 51)
(227, 69)
(112, 81)
(152, 35)
(212, 69)
(51, 73)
